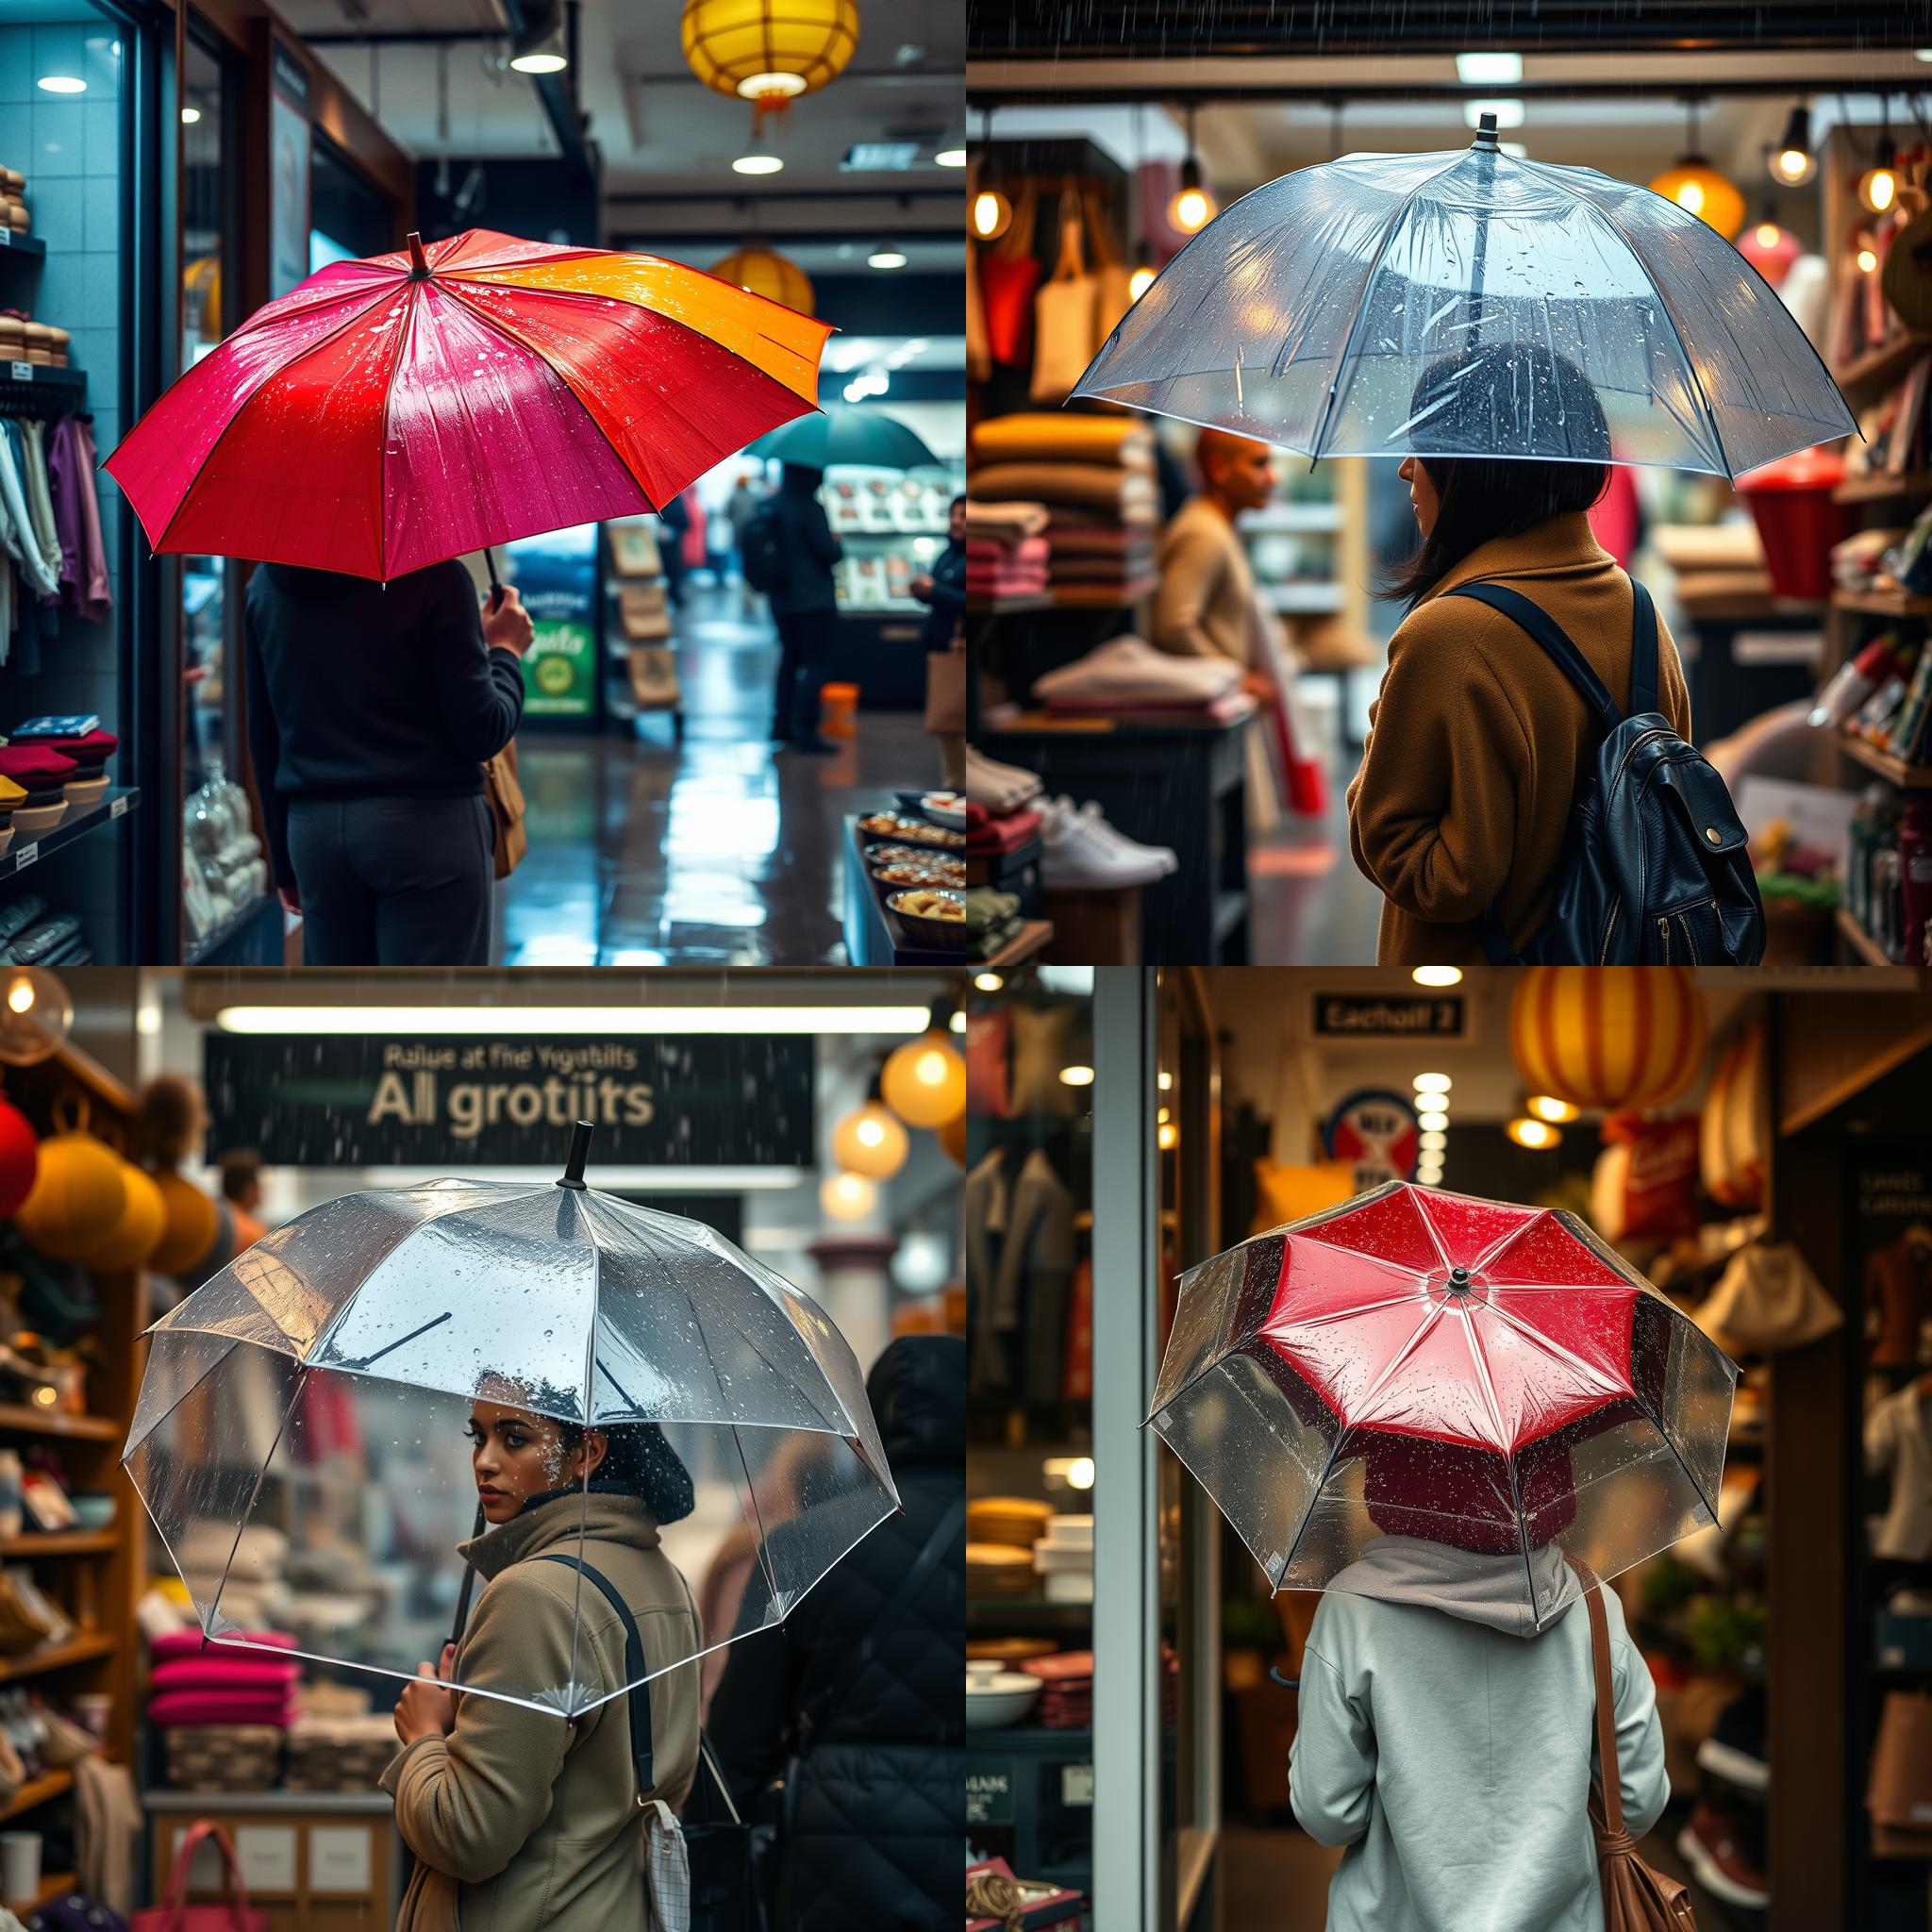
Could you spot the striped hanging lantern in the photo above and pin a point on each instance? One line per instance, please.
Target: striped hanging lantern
(1607, 1036)
(1733, 1126)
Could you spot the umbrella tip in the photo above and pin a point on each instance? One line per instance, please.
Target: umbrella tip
(579, 1152)
(1486, 133)
(419, 263)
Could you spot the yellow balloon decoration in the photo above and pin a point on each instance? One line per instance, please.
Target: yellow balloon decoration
(924, 1081)
(1607, 1036)
(870, 1141)
(192, 1226)
(78, 1196)
(131, 1241)
(953, 1137)
(765, 272)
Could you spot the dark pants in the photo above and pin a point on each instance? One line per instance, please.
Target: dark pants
(393, 881)
(805, 648)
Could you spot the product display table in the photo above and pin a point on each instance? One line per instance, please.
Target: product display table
(1183, 786)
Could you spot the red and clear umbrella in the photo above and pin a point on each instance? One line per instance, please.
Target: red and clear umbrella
(1454, 1371)
(389, 413)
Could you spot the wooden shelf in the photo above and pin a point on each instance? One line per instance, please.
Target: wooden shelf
(1861, 942)
(59, 1542)
(37, 1791)
(1882, 488)
(1882, 603)
(82, 1649)
(1906, 778)
(1868, 376)
(54, 1422)
(52, 1885)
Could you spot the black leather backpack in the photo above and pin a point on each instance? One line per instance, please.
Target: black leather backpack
(1654, 869)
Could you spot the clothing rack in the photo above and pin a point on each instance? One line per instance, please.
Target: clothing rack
(46, 391)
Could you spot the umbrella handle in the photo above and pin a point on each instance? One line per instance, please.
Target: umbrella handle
(496, 583)
(1286, 1683)
(456, 1633)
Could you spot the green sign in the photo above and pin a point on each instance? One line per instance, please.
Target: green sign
(989, 1792)
(560, 670)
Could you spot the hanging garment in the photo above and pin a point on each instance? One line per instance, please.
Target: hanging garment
(1898, 1436)
(1063, 314)
(71, 465)
(40, 499)
(985, 1210)
(1037, 1272)
(21, 544)
(35, 610)
(1898, 1285)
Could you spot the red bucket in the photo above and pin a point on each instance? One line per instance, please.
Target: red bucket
(1797, 521)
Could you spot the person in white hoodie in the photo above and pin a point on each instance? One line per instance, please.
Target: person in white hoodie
(1447, 1740)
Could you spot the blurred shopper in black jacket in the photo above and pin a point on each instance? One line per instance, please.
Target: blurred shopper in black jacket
(864, 1689)
(805, 606)
(371, 709)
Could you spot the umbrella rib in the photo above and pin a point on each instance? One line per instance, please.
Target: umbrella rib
(1489, 1386)
(1479, 1356)
(1556, 1350)
(1394, 1301)
(1396, 1361)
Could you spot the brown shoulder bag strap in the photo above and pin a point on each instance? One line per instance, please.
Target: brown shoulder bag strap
(1605, 1711)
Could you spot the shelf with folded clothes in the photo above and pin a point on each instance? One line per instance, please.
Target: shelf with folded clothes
(116, 803)
(38, 389)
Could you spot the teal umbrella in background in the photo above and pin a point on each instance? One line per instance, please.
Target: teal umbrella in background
(841, 434)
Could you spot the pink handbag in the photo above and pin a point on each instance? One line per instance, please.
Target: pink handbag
(174, 1914)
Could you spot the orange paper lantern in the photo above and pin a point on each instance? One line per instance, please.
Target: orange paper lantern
(1607, 1036)
(1732, 1151)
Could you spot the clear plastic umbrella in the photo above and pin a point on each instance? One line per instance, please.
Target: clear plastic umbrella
(1416, 1382)
(1472, 303)
(301, 1440)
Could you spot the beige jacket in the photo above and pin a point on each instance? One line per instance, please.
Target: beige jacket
(1206, 605)
(518, 1819)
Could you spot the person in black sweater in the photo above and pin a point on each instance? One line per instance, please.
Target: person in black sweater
(804, 606)
(942, 590)
(863, 1687)
(371, 709)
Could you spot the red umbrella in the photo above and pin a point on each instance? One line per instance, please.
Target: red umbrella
(1417, 1364)
(389, 413)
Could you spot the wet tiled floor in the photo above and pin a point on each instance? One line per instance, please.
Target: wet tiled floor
(718, 850)
(1307, 905)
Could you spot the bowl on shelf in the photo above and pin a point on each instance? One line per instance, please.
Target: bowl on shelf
(93, 1509)
(1003, 1698)
(913, 907)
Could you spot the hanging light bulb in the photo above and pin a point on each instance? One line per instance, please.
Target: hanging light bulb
(1192, 208)
(1143, 278)
(1697, 187)
(870, 1142)
(1768, 246)
(846, 1196)
(1878, 185)
(1792, 163)
(992, 214)
(1868, 260)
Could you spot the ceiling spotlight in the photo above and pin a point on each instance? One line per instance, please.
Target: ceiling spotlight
(1546, 1106)
(1877, 186)
(1489, 70)
(62, 84)
(758, 164)
(1433, 1122)
(1192, 207)
(950, 157)
(991, 215)
(190, 116)
(1530, 1133)
(1431, 1083)
(548, 62)
(1437, 975)
(1791, 160)
(885, 258)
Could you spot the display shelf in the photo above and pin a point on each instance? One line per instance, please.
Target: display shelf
(1882, 603)
(230, 928)
(1868, 376)
(24, 1418)
(1034, 936)
(52, 1885)
(78, 822)
(1884, 487)
(1861, 942)
(1008, 606)
(1906, 778)
(35, 389)
(1306, 599)
(59, 1542)
(28, 248)
(82, 1649)
(1027, 1616)
(37, 1791)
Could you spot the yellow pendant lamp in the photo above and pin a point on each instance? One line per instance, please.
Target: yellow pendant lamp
(870, 1142)
(768, 52)
(1605, 1037)
(79, 1191)
(924, 1081)
(1698, 189)
(761, 270)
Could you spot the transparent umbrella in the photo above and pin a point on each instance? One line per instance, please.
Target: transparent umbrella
(301, 1441)
(1472, 303)
(1416, 1379)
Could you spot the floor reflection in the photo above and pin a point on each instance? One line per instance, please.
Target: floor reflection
(646, 852)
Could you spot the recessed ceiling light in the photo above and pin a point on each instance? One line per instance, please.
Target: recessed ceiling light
(1508, 113)
(1437, 975)
(63, 84)
(950, 157)
(1432, 1083)
(758, 164)
(1489, 70)
(885, 257)
(879, 157)
(755, 85)
(546, 63)
(190, 116)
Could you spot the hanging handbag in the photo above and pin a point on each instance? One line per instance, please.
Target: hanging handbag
(1636, 1898)
(1113, 281)
(1063, 313)
(1008, 274)
(699, 1870)
(505, 797)
(174, 1914)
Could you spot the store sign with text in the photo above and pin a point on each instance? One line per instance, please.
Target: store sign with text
(396, 1100)
(1391, 1016)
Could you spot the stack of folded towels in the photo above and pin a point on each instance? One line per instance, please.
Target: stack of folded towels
(195, 1682)
(1005, 553)
(1095, 475)
(1000, 814)
(1128, 679)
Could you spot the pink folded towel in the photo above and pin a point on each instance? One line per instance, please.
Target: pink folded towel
(192, 1643)
(220, 1708)
(214, 1671)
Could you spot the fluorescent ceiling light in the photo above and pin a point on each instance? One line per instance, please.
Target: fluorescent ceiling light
(879, 157)
(885, 257)
(758, 164)
(639, 1018)
(608, 1180)
(1508, 113)
(548, 62)
(1489, 70)
(63, 84)
(950, 157)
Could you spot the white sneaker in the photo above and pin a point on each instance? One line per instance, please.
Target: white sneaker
(1083, 853)
(1130, 848)
(1001, 789)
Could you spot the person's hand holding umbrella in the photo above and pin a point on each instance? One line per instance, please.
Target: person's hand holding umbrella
(506, 624)
(427, 1706)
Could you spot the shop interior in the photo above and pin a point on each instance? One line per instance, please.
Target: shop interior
(1756, 1153)
(1090, 169)
(215, 1108)
(664, 826)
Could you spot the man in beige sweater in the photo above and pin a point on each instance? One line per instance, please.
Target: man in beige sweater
(1206, 605)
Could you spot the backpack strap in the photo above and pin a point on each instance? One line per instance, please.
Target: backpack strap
(1558, 647)
(1606, 1709)
(638, 1695)
(1643, 673)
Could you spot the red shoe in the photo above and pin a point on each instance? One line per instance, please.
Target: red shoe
(1719, 1859)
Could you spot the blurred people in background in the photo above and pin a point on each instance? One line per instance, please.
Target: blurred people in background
(675, 514)
(805, 606)
(747, 492)
(857, 1700)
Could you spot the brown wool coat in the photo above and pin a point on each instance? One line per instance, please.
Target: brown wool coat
(1477, 742)
(518, 1819)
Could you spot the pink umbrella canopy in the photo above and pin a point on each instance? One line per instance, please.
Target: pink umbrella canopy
(389, 413)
